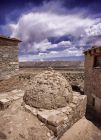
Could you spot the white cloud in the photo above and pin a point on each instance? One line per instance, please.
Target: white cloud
(53, 54)
(45, 44)
(38, 26)
(94, 30)
(49, 20)
(65, 44)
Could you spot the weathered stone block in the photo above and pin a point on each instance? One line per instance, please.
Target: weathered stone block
(4, 103)
(7, 98)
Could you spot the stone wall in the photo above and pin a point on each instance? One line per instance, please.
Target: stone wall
(92, 84)
(75, 78)
(61, 119)
(8, 56)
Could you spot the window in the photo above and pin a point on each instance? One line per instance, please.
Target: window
(93, 102)
(97, 61)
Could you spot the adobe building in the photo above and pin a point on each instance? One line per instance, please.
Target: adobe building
(8, 55)
(92, 86)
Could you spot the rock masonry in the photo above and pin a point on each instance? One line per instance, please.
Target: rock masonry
(8, 55)
(49, 90)
(51, 99)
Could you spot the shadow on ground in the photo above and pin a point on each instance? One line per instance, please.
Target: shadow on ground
(93, 117)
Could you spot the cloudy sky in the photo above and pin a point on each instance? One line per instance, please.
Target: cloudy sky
(52, 29)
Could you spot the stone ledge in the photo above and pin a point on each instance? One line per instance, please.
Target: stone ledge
(61, 119)
(8, 97)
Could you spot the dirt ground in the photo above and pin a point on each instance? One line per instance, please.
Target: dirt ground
(17, 124)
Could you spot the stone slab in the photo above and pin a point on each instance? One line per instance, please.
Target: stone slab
(32, 110)
(7, 98)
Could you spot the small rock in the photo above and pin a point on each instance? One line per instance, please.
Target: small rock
(48, 134)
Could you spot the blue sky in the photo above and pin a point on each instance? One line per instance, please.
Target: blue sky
(52, 29)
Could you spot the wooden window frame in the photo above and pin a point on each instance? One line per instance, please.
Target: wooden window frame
(95, 65)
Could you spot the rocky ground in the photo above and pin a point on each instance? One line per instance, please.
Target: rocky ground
(18, 124)
(22, 80)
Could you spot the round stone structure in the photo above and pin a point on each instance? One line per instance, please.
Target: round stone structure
(49, 90)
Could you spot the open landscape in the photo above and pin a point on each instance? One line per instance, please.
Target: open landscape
(57, 65)
(72, 71)
(50, 70)
(14, 86)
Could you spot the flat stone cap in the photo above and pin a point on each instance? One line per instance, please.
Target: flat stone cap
(11, 39)
(49, 90)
